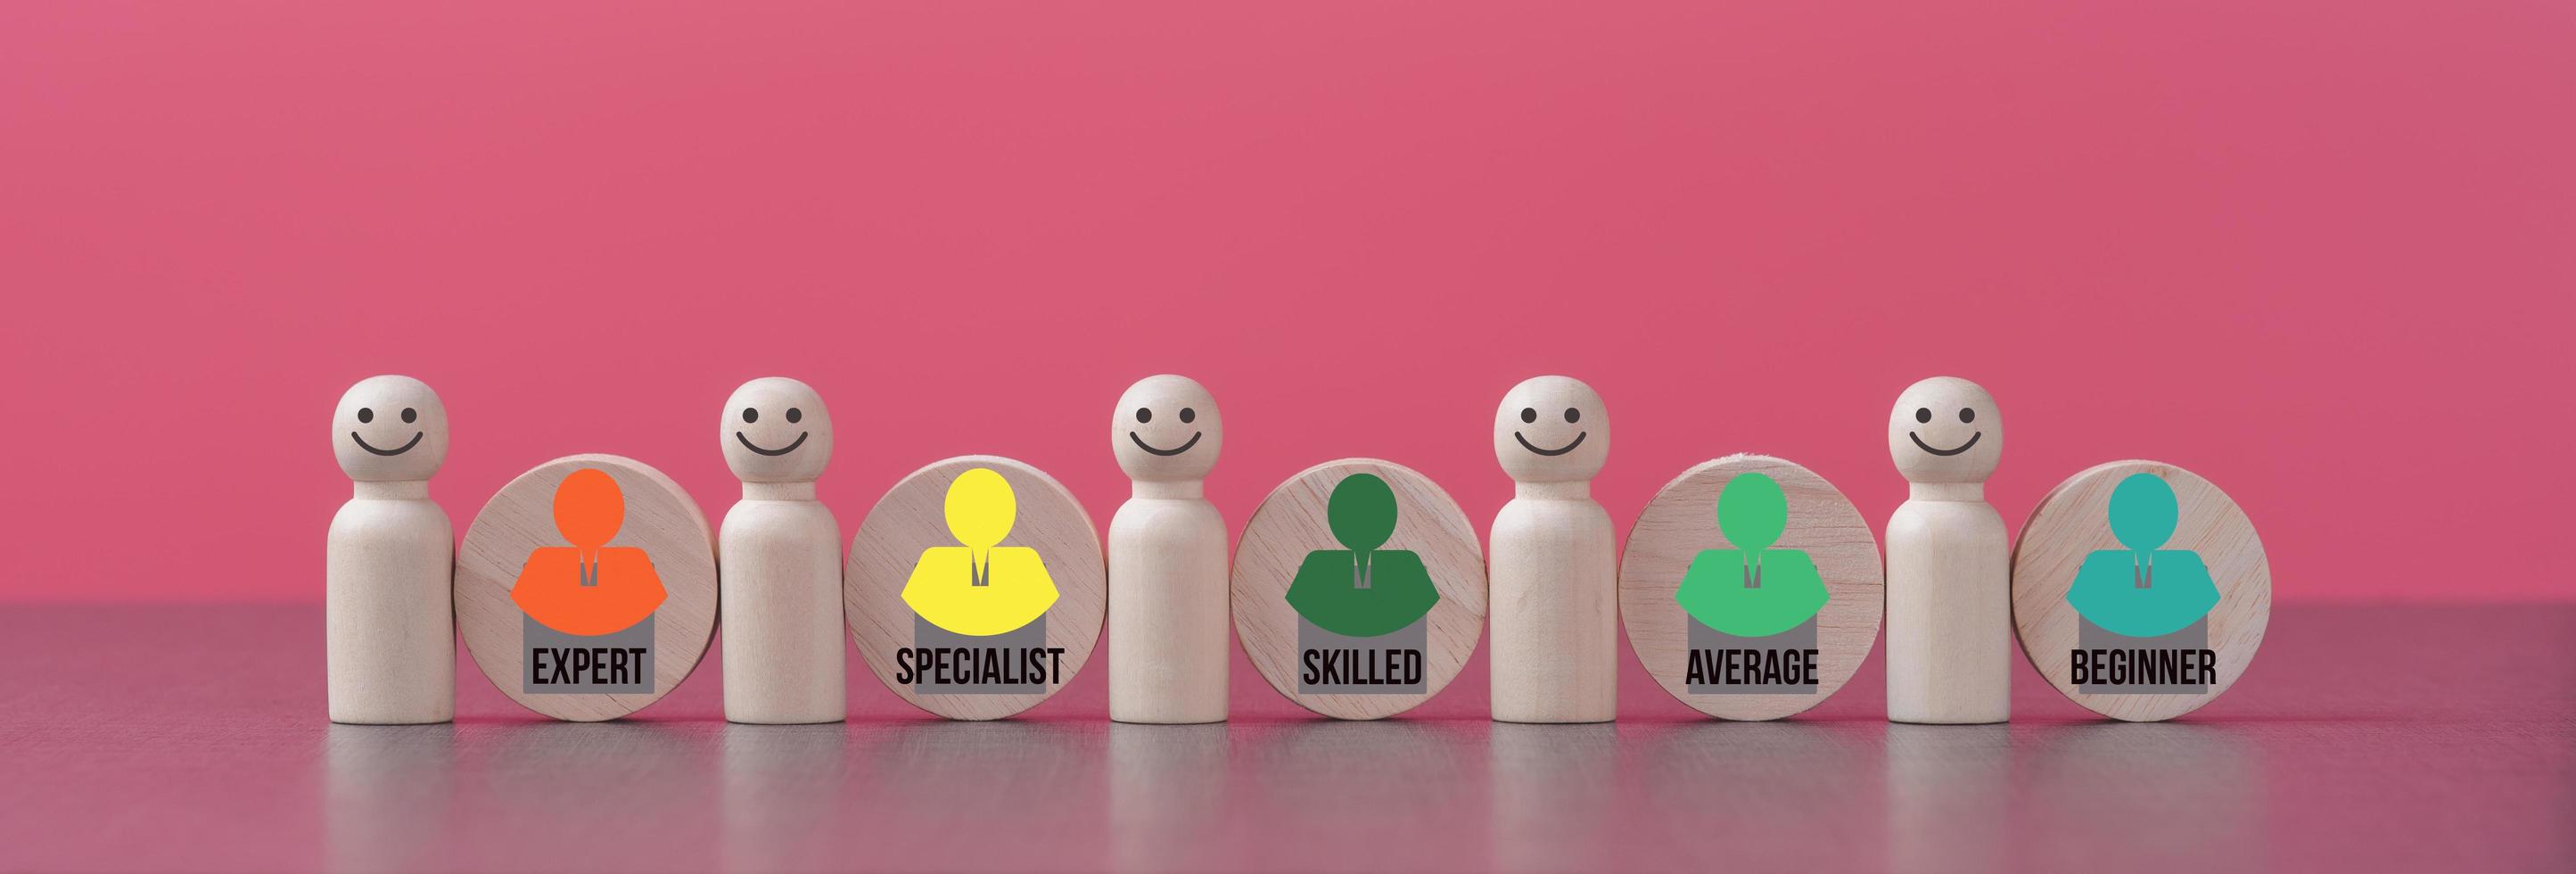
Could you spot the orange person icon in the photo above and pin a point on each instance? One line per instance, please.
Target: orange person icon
(588, 588)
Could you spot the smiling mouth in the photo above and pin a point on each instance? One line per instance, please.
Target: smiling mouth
(1561, 450)
(1963, 447)
(1185, 447)
(363, 444)
(747, 444)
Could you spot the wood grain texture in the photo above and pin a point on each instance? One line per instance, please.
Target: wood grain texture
(2072, 521)
(1292, 522)
(1682, 520)
(661, 519)
(912, 517)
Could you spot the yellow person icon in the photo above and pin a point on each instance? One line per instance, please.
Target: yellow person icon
(981, 588)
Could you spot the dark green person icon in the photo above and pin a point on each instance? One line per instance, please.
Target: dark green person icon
(2144, 590)
(1752, 590)
(1362, 591)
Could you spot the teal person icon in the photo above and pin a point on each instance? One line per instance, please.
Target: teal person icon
(1752, 590)
(2144, 590)
(1362, 591)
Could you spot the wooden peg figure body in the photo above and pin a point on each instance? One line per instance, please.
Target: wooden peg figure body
(779, 558)
(1169, 597)
(1949, 560)
(389, 616)
(1555, 567)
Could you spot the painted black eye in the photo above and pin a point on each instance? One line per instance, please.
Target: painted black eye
(1967, 415)
(1189, 415)
(409, 416)
(750, 415)
(1144, 415)
(795, 415)
(366, 415)
(1573, 415)
(1528, 415)
(1923, 414)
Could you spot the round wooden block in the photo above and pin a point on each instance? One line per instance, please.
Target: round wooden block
(976, 588)
(586, 588)
(2140, 590)
(1754, 641)
(1343, 649)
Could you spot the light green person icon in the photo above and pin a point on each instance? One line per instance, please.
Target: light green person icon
(2144, 590)
(1362, 591)
(1752, 590)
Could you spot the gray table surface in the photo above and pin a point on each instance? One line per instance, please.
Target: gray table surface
(192, 737)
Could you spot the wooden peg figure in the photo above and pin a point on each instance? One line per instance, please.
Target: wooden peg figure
(389, 620)
(1949, 560)
(779, 560)
(1555, 573)
(1169, 599)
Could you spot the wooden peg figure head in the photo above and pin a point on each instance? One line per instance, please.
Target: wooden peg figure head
(775, 430)
(1945, 430)
(1166, 428)
(1551, 429)
(389, 429)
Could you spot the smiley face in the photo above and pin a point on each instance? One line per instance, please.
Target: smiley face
(1551, 429)
(1945, 430)
(367, 415)
(1967, 416)
(1145, 416)
(751, 415)
(1166, 428)
(775, 429)
(388, 429)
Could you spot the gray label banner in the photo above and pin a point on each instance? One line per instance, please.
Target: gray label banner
(1412, 638)
(2092, 636)
(585, 658)
(1014, 646)
(1791, 643)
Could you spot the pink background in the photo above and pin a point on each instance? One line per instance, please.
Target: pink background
(2319, 252)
